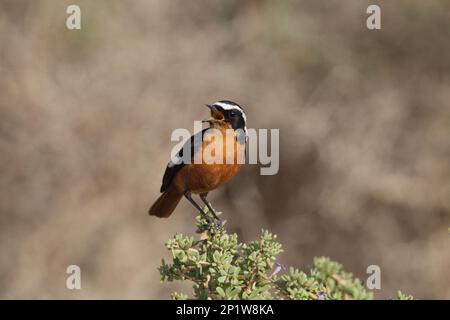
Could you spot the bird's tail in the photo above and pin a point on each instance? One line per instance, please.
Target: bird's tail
(166, 203)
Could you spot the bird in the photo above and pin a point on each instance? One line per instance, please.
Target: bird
(184, 178)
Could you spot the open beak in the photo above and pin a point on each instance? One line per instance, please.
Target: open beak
(216, 115)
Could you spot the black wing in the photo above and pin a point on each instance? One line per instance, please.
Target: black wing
(172, 168)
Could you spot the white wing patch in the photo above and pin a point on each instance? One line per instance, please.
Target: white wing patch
(176, 160)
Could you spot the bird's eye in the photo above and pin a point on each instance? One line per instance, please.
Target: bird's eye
(232, 114)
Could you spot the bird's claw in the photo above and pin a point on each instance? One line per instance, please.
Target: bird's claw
(218, 224)
(213, 224)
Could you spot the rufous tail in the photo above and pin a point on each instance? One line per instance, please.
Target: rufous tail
(166, 203)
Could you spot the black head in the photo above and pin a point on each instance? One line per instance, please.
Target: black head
(231, 113)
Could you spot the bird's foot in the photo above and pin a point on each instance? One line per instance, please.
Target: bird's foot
(210, 224)
(214, 225)
(207, 224)
(218, 223)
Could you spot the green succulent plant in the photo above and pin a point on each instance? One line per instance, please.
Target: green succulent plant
(221, 267)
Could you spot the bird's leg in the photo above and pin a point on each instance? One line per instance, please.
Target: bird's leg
(208, 204)
(188, 196)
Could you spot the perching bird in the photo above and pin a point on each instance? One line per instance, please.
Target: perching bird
(182, 179)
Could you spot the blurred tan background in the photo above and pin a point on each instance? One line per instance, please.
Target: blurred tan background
(86, 118)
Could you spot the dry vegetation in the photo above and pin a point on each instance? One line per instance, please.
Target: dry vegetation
(86, 117)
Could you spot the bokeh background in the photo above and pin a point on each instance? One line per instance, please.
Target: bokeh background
(86, 118)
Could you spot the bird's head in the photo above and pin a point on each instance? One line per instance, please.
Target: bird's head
(225, 111)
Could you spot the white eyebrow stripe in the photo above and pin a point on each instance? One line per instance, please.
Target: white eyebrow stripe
(227, 106)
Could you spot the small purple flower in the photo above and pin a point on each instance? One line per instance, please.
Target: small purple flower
(278, 267)
(320, 295)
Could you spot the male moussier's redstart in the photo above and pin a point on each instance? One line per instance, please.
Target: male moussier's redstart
(183, 179)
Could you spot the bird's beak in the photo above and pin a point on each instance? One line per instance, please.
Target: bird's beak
(216, 115)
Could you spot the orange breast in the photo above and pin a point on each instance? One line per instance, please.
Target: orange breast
(206, 176)
(201, 178)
